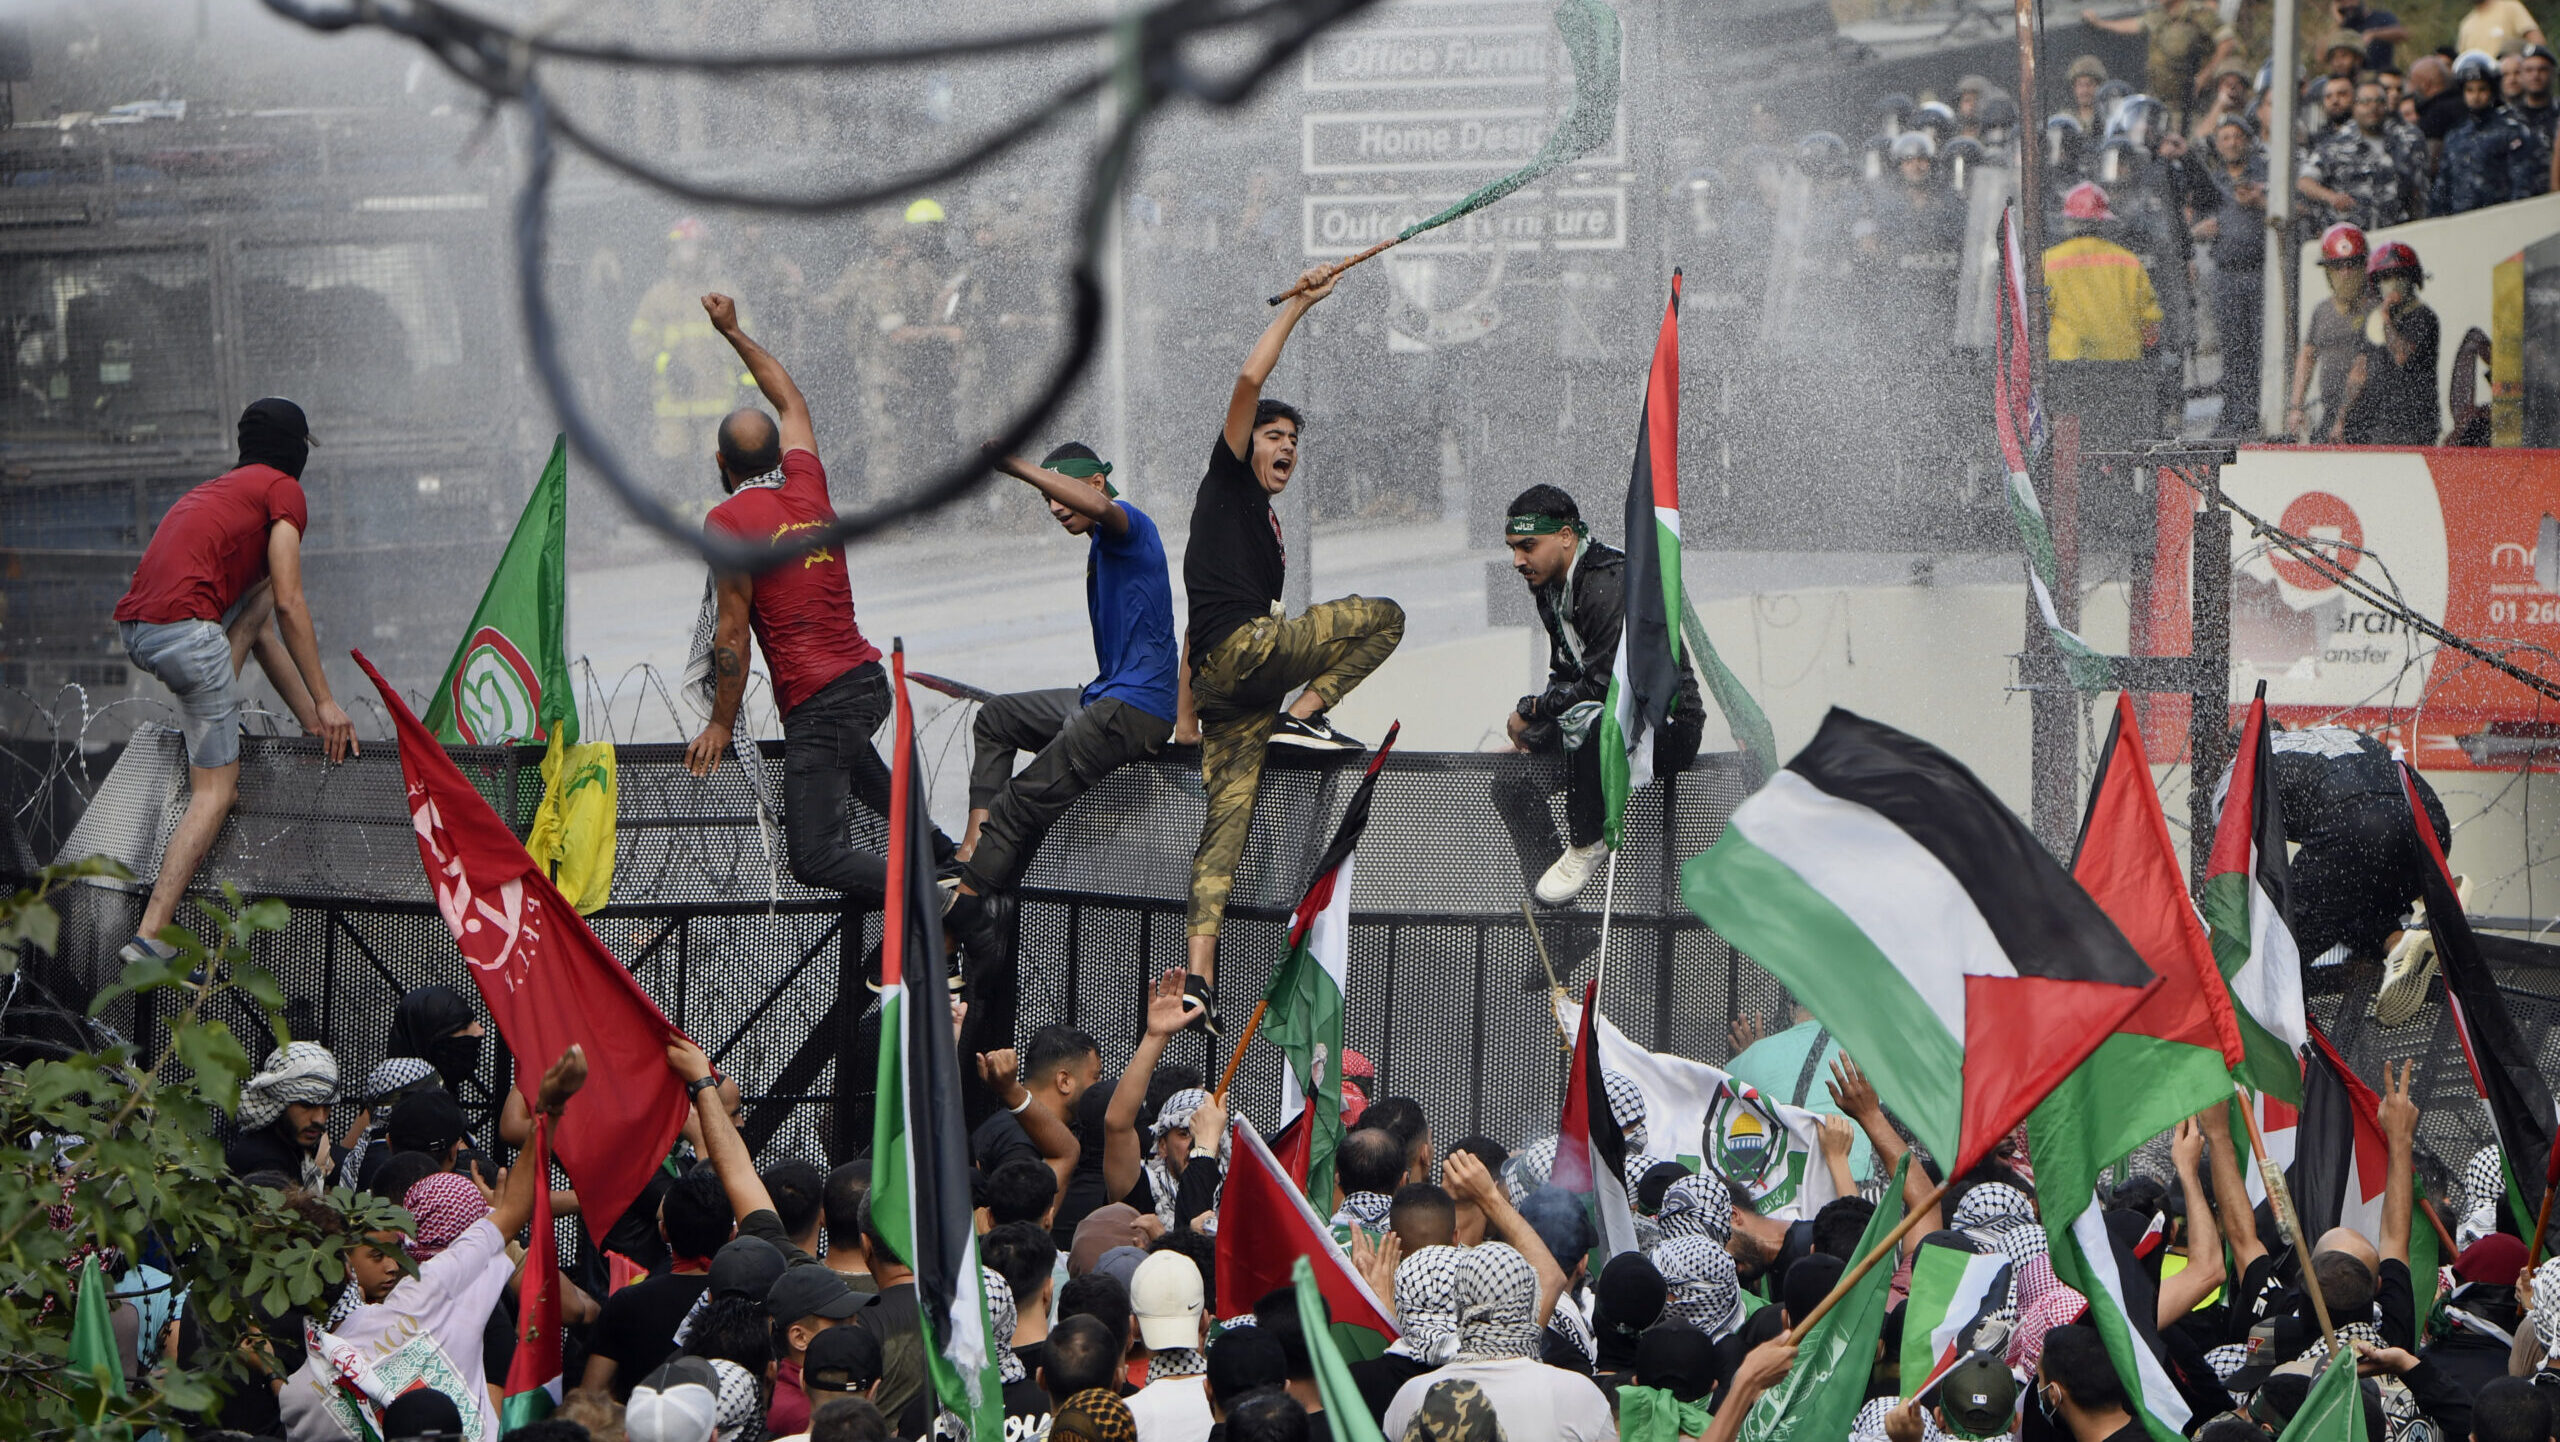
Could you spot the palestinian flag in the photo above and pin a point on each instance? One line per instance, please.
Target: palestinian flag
(1266, 1228)
(2248, 904)
(2021, 428)
(1952, 1293)
(2502, 1064)
(1645, 683)
(2124, 1307)
(2342, 1164)
(1821, 1395)
(1591, 1152)
(2167, 1061)
(1302, 1008)
(1922, 922)
(919, 1145)
(533, 1378)
(2173, 1056)
(1345, 1410)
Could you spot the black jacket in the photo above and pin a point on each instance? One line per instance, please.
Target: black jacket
(1598, 608)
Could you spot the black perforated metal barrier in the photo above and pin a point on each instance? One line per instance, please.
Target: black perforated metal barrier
(1446, 993)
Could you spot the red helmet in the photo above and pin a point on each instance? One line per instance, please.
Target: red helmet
(2086, 201)
(2390, 258)
(2341, 242)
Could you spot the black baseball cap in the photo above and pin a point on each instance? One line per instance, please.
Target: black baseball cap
(746, 1267)
(810, 1292)
(840, 1359)
(1979, 1396)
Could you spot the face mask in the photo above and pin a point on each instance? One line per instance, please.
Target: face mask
(454, 1058)
(2044, 1404)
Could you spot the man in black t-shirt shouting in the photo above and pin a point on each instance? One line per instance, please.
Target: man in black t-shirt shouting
(1242, 654)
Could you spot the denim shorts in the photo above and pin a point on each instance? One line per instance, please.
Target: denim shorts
(193, 659)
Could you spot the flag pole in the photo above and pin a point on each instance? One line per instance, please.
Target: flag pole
(1608, 903)
(1236, 1058)
(2281, 1198)
(1555, 989)
(1913, 1209)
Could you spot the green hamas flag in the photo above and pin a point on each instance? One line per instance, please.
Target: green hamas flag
(2333, 1411)
(1822, 1395)
(93, 1335)
(509, 680)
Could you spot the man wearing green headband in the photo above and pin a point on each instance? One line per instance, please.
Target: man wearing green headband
(1081, 734)
(1579, 585)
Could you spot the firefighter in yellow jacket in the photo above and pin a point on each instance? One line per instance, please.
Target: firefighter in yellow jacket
(694, 377)
(2103, 321)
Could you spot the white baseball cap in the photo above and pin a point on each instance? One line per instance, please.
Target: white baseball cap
(1166, 1295)
(679, 1402)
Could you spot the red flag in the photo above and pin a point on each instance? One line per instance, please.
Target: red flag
(1265, 1226)
(548, 982)
(533, 1377)
(1296, 1139)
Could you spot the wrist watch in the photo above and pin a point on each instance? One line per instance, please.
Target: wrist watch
(701, 1084)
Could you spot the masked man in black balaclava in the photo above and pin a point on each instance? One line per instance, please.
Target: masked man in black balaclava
(222, 578)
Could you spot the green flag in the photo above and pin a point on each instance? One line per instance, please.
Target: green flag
(93, 1335)
(1345, 1411)
(1822, 1395)
(2334, 1409)
(509, 680)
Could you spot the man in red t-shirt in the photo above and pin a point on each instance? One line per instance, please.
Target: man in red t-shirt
(827, 679)
(222, 578)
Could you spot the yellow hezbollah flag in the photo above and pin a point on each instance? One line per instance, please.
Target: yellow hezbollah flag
(572, 834)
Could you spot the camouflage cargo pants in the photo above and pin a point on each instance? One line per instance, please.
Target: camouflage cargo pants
(1237, 689)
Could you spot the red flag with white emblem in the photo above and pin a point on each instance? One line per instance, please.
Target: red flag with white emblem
(548, 982)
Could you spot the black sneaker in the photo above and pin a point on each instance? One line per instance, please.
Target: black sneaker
(1195, 1000)
(1315, 733)
(976, 924)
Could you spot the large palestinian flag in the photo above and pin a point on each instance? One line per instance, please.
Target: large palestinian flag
(919, 1145)
(1645, 684)
(2248, 904)
(1591, 1150)
(2502, 1064)
(1922, 922)
(2341, 1170)
(1303, 1005)
(1265, 1227)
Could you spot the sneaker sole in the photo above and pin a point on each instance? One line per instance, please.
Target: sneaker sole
(1311, 743)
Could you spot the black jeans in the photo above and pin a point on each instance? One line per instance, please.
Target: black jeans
(1520, 791)
(828, 756)
(1078, 745)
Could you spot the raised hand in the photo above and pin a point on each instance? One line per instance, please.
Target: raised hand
(2398, 1114)
(1165, 1015)
(1850, 1090)
(722, 310)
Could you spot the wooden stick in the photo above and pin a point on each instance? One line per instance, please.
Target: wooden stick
(1555, 988)
(1339, 267)
(1913, 1209)
(1236, 1058)
(2281, 1197)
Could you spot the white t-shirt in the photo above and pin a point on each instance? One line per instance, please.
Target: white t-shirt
(1175, 1409)
(1532, 1399)
(428, 1329)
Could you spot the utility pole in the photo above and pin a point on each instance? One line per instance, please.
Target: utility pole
(2276, 344)
(2053, 714)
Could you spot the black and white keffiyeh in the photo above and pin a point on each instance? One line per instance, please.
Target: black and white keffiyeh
(1704, 1292)
(1697, 1206)
(1497, 1294)
(1427, 1305)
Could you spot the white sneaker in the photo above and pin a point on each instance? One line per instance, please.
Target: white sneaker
(2412, 963)
(1572, 872)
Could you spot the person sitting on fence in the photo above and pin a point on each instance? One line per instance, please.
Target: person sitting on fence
(1578, 584)
(222, 578)
(1126, 712)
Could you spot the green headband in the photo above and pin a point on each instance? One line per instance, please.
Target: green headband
(1085, 470)
(1538, 525)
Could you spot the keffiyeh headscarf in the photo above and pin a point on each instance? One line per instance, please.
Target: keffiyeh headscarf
(302, 1074)
(741, 1414)
(1704, 1291)
(2483, 1187)
(2546, 1306)
(1497, 1295)
(445, 1205)
(1529, 1168)
(1999, 1215)
(1002, 1318)
(1697, 1206)
(1626, 1103)
(1177, 1111)
(1427, 1305)
(1366, 1210)
(1098, 1413)
(2044, 1303)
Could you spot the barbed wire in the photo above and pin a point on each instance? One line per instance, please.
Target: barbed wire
(1147, 70)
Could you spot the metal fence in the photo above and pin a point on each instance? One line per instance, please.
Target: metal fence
(1447, 994)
